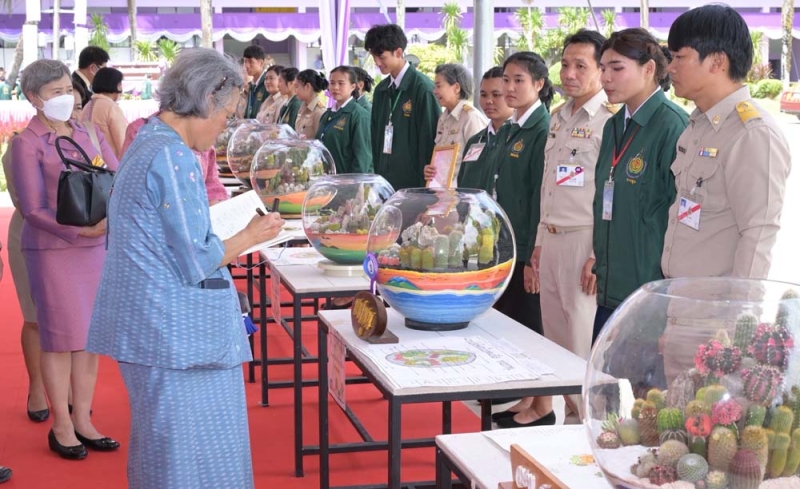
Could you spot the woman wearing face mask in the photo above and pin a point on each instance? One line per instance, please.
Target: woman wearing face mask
(103, 110)
(635, 185)
(288, 113)
(64, 262)
(310, 85)
(345, 128)
(268, 114)
(472, 173)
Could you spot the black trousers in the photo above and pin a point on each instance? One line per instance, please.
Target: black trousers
(518, 304)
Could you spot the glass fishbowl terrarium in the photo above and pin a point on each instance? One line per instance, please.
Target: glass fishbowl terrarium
(286, 169)
(695, 383)
(221, 145)
(444, 255)
(247, 140)
(338, 212)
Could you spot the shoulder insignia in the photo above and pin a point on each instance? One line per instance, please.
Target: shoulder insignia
(467, 107)
(613, 108)
(320, 104)
(747, 111)
(558, 107)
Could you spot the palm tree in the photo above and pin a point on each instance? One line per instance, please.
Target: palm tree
(56, 27)
(132, 20)
(99, 35)
(531, 23)
(206, 23)
(169, 49)
(457, 38)
(609, 21)
(452, 16)
(787, 17)
(145, 51)
(571, 19)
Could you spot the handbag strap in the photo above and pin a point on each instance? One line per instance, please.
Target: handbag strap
(69, 163)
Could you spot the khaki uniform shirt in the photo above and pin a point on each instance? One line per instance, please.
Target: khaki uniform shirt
(732, 161)
(573, 140)
(271, 108)
(308, 118)
(457, 127)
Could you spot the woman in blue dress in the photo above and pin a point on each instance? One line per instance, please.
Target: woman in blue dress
(167, 309)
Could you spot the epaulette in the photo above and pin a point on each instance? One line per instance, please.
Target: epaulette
(554, 110)
(747, 111)
(613, 108)
(467, 107)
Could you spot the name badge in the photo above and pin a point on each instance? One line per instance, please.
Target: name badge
(608, 200)
(474, 152)
(388, 137)
(569, 175)
(689, 213)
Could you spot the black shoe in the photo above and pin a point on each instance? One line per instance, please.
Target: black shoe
(101, 444)
(501, 415)
(37, 416)
(547, 419)
(77, 452)
(5, 474)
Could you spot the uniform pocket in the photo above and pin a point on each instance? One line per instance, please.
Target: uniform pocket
(706, 179)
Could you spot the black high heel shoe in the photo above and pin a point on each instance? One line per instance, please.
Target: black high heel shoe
(105, 444)
(76, 452)
(37, 416)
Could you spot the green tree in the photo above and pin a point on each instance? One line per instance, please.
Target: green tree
(457, 39)
(169, 49)
(531, 24)
(145, 51)
(99, 33)
(609, 22)
(430, 55)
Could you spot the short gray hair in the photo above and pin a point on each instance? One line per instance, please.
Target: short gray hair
(196, 74)
(40, 73)
(453, 73)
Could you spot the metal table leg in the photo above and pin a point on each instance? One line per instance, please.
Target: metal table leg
(297, 321)
(322, 389)
(395, 442)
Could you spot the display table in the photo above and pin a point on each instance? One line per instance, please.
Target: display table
(482, 460)
(566, 378)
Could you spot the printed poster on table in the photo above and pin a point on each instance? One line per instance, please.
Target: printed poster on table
(337, 352)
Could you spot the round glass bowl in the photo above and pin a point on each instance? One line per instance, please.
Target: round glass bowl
(696, 383)
(246, 141)
(338, 211)
(221, 145)
(444, 255)
(286, 169)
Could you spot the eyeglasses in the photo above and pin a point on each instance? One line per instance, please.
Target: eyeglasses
(220, 86)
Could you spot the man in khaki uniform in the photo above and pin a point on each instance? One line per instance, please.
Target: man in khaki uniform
(457, 127)
(730, 171)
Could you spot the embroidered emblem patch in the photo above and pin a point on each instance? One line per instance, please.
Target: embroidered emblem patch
(517, 148)
(407, 108)
(340, 123)
(636, 167)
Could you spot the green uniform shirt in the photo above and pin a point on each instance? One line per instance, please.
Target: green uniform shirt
(364, 102)
(346, 134)
(5, 91)
(474, 174)
(518, 164)
(628, 248)
(256, 96)
(288, 113)
(414, 118)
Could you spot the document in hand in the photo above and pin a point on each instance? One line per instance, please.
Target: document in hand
(231, 216)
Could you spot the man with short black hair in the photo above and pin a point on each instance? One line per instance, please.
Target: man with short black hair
(91, 59)
(255, 66)
(404, 112)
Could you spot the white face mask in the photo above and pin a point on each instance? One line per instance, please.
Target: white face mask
(58, 109)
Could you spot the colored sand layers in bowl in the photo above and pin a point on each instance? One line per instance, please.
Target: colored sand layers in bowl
(444, 255)
(221, 145)
(247, 140)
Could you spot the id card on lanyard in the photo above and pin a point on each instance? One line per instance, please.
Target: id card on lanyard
(388, 132)
(331, 119)
(608, 187)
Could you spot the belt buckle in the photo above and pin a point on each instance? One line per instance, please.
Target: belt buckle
(551, 229)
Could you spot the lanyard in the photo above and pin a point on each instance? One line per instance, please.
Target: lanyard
(617, 154)
(333, 117)
(394, 104)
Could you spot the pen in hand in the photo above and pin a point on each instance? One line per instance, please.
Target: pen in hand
(259, 211)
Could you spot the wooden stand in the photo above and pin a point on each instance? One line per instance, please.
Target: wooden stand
(521, 458)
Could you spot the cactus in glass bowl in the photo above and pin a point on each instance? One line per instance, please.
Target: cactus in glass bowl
(662, 474)
(754, 438)
(771, 345)
(722, 446)
(761, 383)
(692, 468)
(745, 471)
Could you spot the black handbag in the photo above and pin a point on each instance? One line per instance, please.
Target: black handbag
(83, 192)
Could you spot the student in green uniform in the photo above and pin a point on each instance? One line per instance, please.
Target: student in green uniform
(404, 113)
(255, 65)
(514, 179)
(473, 171)
(344, 128)
(287, 87)
(635, 185)
(365, 83)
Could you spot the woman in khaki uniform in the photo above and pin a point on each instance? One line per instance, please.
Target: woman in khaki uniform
(310, 85)
(460, 120)
(268, 114)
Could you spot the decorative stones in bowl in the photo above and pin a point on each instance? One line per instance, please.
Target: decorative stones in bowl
(286, 169)
(338, 211)
(246, 141)
(696, 383)
(444, 255)
(221, 145)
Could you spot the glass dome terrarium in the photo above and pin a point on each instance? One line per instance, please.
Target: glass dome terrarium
(444, 255)
(286, 169)
(338, 212)
(247, 139)
(221, 145)
(695, 383)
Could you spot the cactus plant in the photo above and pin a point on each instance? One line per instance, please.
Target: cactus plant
(611, 424)
(677, 435)
(745, 327)
(645, 464)
(785, 308)
(717, 357)
(427, 259)
(662, 474)
(726, 412)
(692, 468)
(714, 394)
(416, 258)
(754, 438)
(608, 439)
(761, 383)
(628, 431)
(778, 455)
(648, 429)
(441, 250)
(657, 397)
(637, 407)
(793, 459)
(698, 427)
(696, 407)
(722, 446)
(716, 479)
(681, 391)
(771, 345)
(670, 419)
(701, 394)
(670, 452)
(745, 471)
(792, 401)
(755, 415)
(782, 419)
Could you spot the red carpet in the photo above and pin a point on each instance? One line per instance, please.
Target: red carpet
(23, 444)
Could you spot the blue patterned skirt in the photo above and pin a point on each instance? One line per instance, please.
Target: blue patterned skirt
(188, 428)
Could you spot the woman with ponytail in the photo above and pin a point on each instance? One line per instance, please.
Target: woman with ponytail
(345, 128)
(310, 84)
(365, 84)
(288, 88)
(635, 186)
